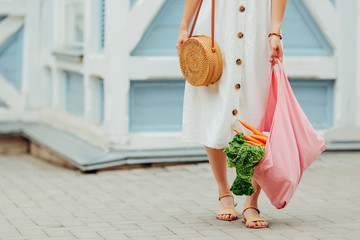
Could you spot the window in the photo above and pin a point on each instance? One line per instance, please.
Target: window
(74, 89)
(74, 24)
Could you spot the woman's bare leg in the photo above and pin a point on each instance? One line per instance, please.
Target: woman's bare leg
(253, 201)
(218, 162)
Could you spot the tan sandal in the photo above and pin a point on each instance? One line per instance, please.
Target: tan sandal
(253, 218)
(230, 211)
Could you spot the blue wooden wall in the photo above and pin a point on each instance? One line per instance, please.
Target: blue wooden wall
(163, 32)
(74, 93)
(11, 53)
(302, 35)
(156, 105)
(101, 100)
(316, 98)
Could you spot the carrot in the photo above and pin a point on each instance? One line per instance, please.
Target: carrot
(260, 138)
(237, 131)
(254, 130)
(253, 143)
(252, 139)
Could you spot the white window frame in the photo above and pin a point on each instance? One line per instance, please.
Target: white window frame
(69, 24)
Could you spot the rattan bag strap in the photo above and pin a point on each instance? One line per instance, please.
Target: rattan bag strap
(212, 23)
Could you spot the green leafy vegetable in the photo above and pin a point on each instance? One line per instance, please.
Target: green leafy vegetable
(244, 157)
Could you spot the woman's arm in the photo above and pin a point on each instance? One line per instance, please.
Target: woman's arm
(277, 14)
(189, 11)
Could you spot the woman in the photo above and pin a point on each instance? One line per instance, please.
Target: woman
(210, 113)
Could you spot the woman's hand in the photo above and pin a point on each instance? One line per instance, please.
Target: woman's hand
(183, 35)
(276, 49)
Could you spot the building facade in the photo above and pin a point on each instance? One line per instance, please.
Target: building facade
(107, 72)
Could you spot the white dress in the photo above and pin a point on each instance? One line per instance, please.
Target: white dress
(241, 30)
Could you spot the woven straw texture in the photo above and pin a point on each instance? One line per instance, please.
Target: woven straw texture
(199, 65)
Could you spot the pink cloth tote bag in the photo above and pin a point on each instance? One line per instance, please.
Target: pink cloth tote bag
(292, 145)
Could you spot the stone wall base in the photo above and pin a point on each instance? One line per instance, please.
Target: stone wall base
(13, 144)
(16, 144)
(48, 156)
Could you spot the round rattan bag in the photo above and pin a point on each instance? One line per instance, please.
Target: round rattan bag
(200, 57)
(199, 63)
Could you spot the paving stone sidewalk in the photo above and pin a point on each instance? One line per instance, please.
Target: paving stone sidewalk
(41, 201)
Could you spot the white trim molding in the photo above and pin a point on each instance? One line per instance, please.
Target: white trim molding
(311, 67)
(168, 67)
(154, 68)
(13, 7)
(9, 26)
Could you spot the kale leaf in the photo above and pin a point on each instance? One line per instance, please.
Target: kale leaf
(244, 157)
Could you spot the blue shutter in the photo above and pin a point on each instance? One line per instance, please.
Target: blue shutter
(102, 24)
(302, 35)
(98, 99)
(316, 98)
(102, 101)
(156, 105)
(74, 89)
(11, 54)
(159, 38)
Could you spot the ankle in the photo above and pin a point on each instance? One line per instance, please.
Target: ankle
(251, 202)
(223, 189)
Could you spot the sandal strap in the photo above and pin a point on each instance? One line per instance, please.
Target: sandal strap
(253, 207)
(228, 195)
(254, 219)
(225, 195)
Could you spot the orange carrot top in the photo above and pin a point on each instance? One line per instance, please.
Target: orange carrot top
(251, 128)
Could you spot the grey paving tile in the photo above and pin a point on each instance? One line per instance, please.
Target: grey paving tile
(42, 201)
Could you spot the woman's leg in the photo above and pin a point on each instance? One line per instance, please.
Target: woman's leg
(253, 201)
(218, 162)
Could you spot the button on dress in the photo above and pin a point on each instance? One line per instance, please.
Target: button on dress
(241, 30)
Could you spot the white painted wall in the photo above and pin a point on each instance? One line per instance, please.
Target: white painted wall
(346, 120)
